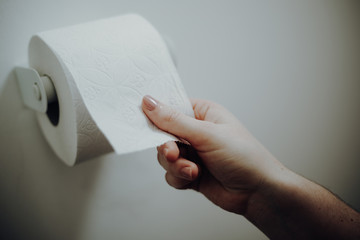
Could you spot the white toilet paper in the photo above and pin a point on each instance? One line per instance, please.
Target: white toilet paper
(101, 70)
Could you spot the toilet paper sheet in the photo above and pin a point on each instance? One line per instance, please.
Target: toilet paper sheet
(112, 64)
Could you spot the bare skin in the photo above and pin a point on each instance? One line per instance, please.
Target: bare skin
(234, 171)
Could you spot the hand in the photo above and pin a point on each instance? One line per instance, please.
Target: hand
(232, 169)
(224, 161)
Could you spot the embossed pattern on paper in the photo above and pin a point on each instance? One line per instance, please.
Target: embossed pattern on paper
(113, 63)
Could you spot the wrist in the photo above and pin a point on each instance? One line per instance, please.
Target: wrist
(274, 198)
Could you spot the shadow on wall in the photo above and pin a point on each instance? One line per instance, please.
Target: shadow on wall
(39, 194)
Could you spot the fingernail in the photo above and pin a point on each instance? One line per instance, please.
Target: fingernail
(149, 102)
(186, 173)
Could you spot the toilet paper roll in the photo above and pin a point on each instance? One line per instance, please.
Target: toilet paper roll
(101, 70)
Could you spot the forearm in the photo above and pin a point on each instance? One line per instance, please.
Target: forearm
(292, 207)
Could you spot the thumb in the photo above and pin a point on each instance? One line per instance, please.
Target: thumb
(174, 122)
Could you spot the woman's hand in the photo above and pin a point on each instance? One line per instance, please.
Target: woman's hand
(224, 161)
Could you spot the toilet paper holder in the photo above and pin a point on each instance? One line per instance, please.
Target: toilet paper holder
(38, 91)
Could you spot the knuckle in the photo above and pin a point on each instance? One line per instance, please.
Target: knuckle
(172, 116)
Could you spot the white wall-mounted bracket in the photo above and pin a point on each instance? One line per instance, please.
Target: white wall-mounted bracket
(36, 91)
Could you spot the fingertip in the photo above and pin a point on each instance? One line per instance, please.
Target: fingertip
(149, 103)
(171, 151)
(186, 173)
(194, 172)
(185, 169)
(171, 120)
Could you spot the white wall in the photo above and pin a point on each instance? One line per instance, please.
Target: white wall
(289, 70)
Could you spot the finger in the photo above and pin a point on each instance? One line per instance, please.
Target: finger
(212, 112)
(175, 122)
(184, 169)
(170, 150)
(171, 161)
(178, 183)
(162, 160)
